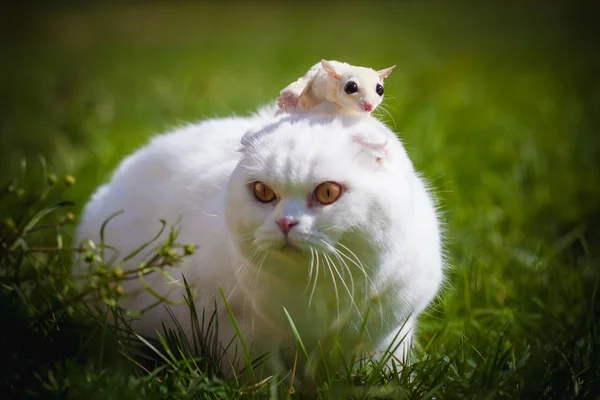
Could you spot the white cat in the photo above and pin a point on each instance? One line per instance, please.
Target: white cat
(321, 215)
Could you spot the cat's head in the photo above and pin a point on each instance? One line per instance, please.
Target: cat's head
(313, 184)
(357, 88)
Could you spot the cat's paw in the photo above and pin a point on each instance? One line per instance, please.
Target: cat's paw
(287, 100)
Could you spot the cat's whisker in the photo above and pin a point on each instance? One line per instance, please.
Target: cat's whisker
(385, 112)
(260, 256)
(359, 264)
(335, 252)
(251, 251)
(337, 295)
(245, 238)
(259, 265)
(383, 106)
(228, 296)
(250, 255)
(310, 271)
(345, 265)
(256, 279)
(316, 277)
(328, 228)
(249, 258)
(349, 291)
(251, 247)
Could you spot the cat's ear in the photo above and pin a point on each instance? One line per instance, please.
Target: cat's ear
(384, 73)
(330, 69)
(251, 136)
(376, 151)
(247, 139)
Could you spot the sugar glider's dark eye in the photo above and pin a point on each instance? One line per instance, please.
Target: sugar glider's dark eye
(351, 87)
(379, 89)
(263, 193)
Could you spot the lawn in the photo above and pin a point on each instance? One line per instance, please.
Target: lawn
(499, 108)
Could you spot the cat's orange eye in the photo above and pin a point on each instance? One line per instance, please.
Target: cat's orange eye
(263, 193)
(328, 192)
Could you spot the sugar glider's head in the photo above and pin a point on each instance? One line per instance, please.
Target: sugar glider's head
(358, 89)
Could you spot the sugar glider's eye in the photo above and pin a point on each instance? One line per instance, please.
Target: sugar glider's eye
(263, 193)
(379, 89)
(327, 192)
(351, 87)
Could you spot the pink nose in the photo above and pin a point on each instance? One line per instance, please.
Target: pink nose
(368, 106)
(286, 223)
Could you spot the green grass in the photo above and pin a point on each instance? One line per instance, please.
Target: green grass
(497, 106)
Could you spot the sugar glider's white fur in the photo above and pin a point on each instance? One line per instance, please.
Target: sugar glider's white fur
(323, 86)
(384, 228)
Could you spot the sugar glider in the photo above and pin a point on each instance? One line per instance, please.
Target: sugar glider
(338, 87)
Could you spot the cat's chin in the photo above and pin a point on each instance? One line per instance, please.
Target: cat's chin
(288, 250)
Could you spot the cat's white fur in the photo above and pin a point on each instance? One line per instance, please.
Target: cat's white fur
(384, 226)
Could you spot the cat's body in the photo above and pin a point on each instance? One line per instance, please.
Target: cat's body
(383, 226)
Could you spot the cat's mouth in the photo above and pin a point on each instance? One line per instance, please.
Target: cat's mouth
(294, 245)
(290, 248)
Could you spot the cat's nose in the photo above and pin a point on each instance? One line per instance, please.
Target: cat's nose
(286, 223)
(368, 106)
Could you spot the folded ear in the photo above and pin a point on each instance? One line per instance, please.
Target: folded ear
(377, 151)
(330, 69)
(384, 73)
(248, 138)
(252, 136)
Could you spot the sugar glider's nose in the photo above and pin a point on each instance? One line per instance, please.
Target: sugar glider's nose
(286, 223)
(368, 107)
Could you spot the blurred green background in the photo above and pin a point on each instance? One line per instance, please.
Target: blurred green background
(498, 106)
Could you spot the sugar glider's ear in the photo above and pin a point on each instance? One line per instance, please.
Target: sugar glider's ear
(384, 73)
(330, 69)
(376, 151)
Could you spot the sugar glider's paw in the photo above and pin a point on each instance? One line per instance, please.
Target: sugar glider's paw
(287, 100)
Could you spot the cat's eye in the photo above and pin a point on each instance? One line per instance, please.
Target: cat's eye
(351, 87)
(327, 192)
(263, 193)
(379, 89)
